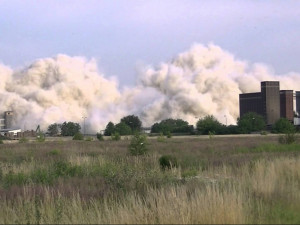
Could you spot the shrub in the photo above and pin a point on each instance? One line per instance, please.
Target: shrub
(89, 139)
(137, 145)
(1, 141)
(161, 138)
(283, 125)
(189, 173)
(211, 134)
(54, 152)
(263, 132)
(168, 161)
(14, 179)
(23, 140)
(169, 135)
(287, 138)
(41, 176)
(78, 137)
(115, 136)
(250, 122)
(100, 137)
(40, 137)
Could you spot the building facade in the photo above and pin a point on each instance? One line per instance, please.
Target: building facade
(8, 119)
(270, 96)
(286, 104)
(271, 103)
(250, 102)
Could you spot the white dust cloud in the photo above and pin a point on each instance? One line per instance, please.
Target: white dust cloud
(205, 80)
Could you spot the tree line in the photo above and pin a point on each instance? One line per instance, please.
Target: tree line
(131, 124)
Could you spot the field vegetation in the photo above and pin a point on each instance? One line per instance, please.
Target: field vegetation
(210, 180)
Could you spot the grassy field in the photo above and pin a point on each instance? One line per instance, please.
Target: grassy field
(238, 179)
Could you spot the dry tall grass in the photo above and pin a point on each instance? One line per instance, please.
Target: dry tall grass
(217, 195)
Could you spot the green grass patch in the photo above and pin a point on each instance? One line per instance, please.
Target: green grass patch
(283, 213)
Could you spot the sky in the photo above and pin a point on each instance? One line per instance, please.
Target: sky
(121, 35)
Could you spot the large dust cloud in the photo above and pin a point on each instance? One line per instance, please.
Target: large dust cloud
(204, 80)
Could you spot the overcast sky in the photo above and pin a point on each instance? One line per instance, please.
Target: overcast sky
(121, 34)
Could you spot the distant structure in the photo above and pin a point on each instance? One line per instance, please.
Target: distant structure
(286, 104)
(7, 129)
(6, 125)
(8, 119)
(2, 124)
(271, 103)
(298, 103)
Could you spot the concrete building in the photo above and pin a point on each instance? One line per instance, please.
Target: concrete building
(286, 104)
(250, 102)
(271, 103)
(298, 103)
(8, 119)
(2, 124)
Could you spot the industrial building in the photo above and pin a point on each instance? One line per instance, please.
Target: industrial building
(6, 125)
(271, 103)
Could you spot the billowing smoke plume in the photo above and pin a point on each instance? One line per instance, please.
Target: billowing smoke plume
(205, 80)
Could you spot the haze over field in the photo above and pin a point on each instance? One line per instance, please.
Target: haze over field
(204, 80)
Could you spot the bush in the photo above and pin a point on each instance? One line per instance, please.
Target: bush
(41, 176)
(189, 173)
(78, 137)
(1, 141)
(40, 137)
(287, 138)
(284, 126)
(14, 179)
(23, 140)
(54, 152)
(250, 122)
(161, 138)
(263, 132)
(116, 136)
(100, 137)
(89, 139)
(62, 168)
(169, 135)
(168, 161)
(137, 145)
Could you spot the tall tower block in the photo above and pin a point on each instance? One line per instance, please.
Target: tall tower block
(270, 101)
(8, 119)
(286, 105)
(298, 102)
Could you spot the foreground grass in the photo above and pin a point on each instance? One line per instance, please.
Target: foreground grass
(70, 183)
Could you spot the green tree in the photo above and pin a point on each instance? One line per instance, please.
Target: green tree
(172, 126)
(283, 125)
(138, 145)
(123, 129)
(251, 122)
(209, 125)
(53, 129)
(69, 128)
(110, 129)
(133, 122)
